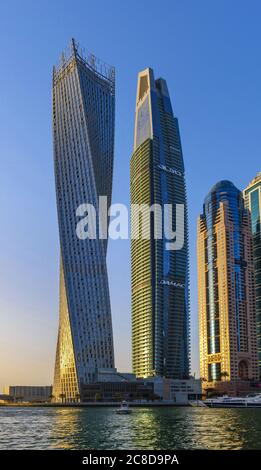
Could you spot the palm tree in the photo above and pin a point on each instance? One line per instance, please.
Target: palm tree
(51, 397)
(78, 397)
(224, 374)
(97, 397)
(62, 396)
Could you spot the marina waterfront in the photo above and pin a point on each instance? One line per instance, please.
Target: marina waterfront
(146, 428)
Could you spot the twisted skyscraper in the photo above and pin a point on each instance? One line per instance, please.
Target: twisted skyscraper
(83, 135)
(160, 279)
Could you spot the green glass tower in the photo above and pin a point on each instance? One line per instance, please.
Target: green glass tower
(160, 280)
(252, 196)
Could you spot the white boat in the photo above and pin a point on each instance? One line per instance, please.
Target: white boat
(234, 402)
(124, 409)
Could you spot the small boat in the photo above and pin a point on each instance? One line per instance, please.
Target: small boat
(234, 402)
(124, 409)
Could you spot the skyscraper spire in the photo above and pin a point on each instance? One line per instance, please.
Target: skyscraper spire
(73, 47)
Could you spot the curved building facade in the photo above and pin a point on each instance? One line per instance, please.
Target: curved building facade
(83, 136)
(159, 278)
(228, 348)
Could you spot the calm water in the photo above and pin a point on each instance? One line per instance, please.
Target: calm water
(145, 428)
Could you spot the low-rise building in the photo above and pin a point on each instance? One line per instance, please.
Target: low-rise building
(31, 393)
(236, 388)
(179, 391)
(112, 375)
(111, 385)
(137, 390)
(5, 399)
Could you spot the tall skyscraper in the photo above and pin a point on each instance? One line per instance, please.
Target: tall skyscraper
(228, 348)
(252, 196)
(83, 135)
(160, 278)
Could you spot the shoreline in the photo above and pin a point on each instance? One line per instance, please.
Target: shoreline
(92, 405)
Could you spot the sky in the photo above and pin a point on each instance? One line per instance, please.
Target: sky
(209, 53)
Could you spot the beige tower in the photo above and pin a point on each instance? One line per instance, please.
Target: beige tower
(226, 298)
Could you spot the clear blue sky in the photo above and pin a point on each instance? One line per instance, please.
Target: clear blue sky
(209, 53)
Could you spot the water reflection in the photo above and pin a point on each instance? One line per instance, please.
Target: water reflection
(66, 428)
(145, 428)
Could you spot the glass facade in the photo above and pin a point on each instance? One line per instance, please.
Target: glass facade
(160, 278)
(252, 195)
(228, 193)
(83, 136)
(226, 291)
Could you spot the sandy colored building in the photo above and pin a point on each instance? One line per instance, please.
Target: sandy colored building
(226, 293)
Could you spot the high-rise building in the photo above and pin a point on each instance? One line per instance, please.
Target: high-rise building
(227, 331)
(160, 278)
(83, 136)
(252, 196)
